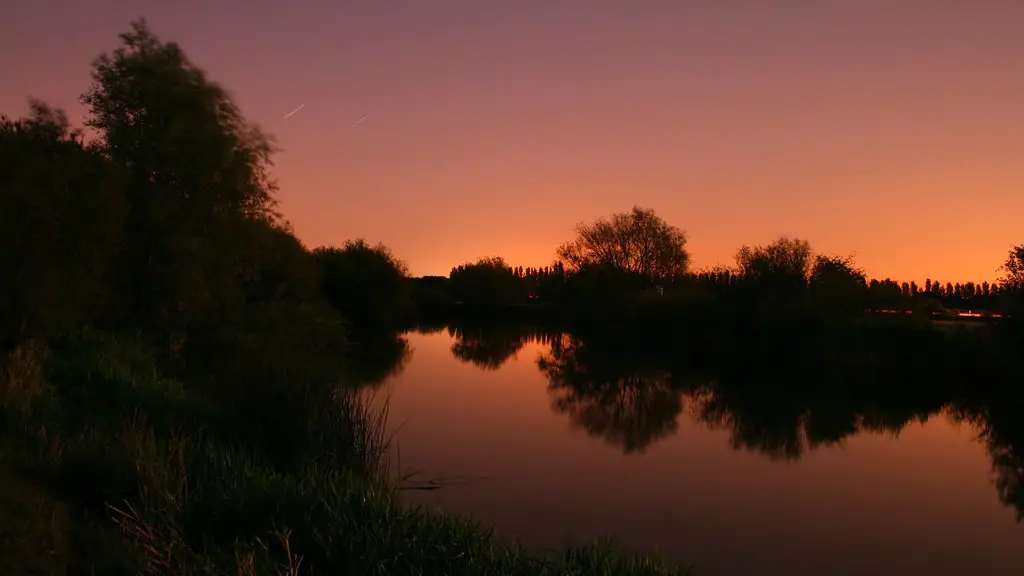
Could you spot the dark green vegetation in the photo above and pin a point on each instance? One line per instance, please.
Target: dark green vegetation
(180, 376)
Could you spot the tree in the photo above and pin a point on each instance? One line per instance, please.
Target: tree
(887, 294)
(838, 284)
(278, 268)
(368, 285)
(1014, 269)
(61, 209)
(487, 282)
(594, 288)
(638, 242)
(1011, 285)
(195, 170)
(970, 290)
(784, 264)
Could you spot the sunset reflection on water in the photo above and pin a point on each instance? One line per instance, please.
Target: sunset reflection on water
(921, 501)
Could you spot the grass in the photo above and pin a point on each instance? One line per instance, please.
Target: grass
(111, 467)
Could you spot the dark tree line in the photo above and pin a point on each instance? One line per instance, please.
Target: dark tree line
(635, 256)
(891, 295)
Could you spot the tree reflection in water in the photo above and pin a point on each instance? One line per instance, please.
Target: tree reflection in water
(1002, 433)
(629, 410)
(484, 348)
(778, 433)
(489, 345)
(373, 361)
(773, 402)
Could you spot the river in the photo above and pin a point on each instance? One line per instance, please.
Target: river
(655, 468)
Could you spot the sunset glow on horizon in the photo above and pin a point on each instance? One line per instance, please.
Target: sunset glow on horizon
(451, 130)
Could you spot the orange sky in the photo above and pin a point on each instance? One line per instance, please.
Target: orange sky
(892, 129)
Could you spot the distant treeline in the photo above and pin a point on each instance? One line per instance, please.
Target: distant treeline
(636, 257)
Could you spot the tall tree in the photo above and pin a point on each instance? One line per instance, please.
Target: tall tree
(638, 242)
(195, 170)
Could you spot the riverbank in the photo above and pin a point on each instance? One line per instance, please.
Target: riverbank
(113, 467)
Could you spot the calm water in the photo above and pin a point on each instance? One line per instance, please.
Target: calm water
(547, 466)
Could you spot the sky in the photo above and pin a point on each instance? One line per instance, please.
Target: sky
(892, 130)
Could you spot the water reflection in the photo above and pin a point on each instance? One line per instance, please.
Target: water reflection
(778, 400)
(488, 345)
(1002, 434)
(375, 360)
(629, 409)
(879, 418)
(485, 346)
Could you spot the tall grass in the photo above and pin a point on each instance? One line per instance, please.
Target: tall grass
(22, 382)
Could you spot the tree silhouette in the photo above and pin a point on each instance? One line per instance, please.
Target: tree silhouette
(838, 284)
(194, 171)
(1012, 282)
(786, 260)
(367, 284)
(487, 282)
(638, 242)
(774, 274)
(61, 215)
